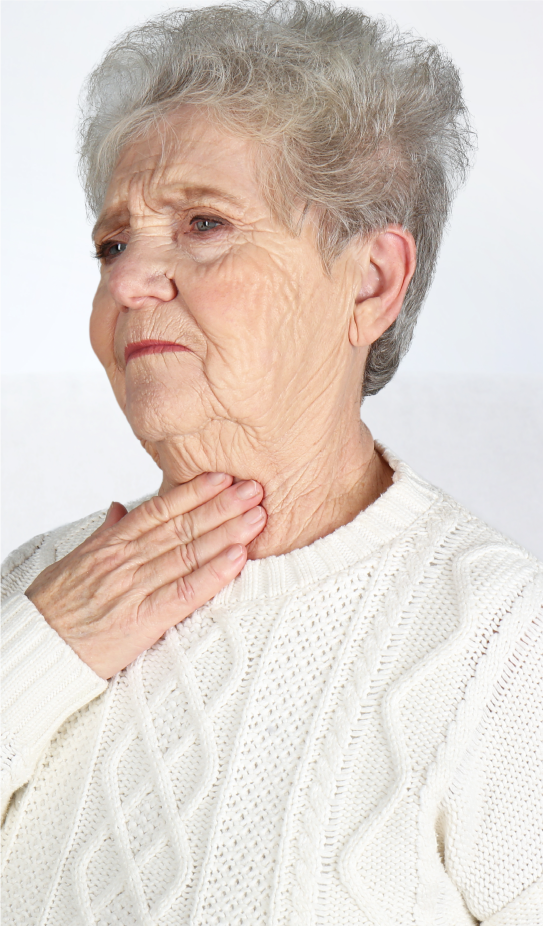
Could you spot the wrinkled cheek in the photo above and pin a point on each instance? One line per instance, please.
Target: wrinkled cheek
(102, 327)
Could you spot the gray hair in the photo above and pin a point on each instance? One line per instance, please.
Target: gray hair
(360, 122)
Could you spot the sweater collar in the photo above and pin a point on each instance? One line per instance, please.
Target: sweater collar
(392, 514)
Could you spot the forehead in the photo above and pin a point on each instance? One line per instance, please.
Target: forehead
(189, 157)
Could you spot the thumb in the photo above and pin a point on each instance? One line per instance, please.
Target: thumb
(115, 513)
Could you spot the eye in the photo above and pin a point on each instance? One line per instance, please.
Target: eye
(108, 250)
(201, 224)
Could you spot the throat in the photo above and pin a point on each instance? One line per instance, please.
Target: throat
(297, 519)
(310, 488)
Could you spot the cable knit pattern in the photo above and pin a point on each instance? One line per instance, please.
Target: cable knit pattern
(349, 734)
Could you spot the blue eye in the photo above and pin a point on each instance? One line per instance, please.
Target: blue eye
(203, 225)
(115, 248)
(108, 250)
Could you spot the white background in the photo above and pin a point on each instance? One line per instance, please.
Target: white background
(466, 408)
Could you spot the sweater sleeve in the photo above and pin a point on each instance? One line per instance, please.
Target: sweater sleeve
(42, 680)
(494, 852)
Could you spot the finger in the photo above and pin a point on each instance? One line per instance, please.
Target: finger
(184, 559)
(186, 528)
(160, 509)
(174, 602)
(115, 513)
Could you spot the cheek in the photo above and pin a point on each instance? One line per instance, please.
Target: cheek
(103, 323)
(239, 312)
(244, 300)
(102, 327)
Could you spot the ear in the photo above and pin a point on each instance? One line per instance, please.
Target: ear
(387, 262)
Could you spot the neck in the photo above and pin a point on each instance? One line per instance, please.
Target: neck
(312, 485)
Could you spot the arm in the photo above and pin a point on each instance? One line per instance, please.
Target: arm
(494, 848)
(43, 683)
(86, 616)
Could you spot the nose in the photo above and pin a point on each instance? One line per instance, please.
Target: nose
(139, 280)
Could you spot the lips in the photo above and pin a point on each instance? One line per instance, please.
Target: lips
(139, 348)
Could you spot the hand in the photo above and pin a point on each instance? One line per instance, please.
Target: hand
(140, 573)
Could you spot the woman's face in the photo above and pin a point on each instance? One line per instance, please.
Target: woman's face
(210, 316)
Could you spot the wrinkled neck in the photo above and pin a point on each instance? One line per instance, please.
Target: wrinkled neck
(314, 481)
(327, 494)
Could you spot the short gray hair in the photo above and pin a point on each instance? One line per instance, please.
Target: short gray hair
(363, 123)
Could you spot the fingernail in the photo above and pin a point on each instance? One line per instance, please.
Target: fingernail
(254, 515)
(235, 552)
(216, 478)
(247, 489)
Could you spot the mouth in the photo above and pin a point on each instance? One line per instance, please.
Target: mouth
(139, 348)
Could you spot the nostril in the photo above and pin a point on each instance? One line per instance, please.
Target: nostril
(133, 287)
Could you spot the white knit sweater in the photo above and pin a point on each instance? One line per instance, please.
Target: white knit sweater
(346, 735)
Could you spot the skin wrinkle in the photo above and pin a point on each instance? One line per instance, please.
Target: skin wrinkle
(269, 388)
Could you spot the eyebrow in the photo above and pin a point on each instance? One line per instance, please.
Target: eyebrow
(111, 218)
(115, 216)
(194, 191)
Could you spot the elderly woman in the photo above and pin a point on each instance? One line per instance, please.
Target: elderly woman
(298, 686)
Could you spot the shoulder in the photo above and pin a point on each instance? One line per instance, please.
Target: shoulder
(23, 564)
(483, 561)
(480, 556)
(477, 589)
(492, 577)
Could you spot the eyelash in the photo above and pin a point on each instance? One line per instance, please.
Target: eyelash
(205, 218)
(102, 249)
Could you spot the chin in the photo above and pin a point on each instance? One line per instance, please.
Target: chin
(158, 412)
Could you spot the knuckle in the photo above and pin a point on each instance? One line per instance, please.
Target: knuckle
(217, 575)
(189, 557)
(184, 528)
(145, 618)
(156, 509)
(185, 591)
(104, 560)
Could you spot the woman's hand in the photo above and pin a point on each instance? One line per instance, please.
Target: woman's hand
(140, 573)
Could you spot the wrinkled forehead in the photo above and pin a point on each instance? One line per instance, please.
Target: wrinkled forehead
(185, 155)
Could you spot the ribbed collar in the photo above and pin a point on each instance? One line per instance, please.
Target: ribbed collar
(393, 513)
